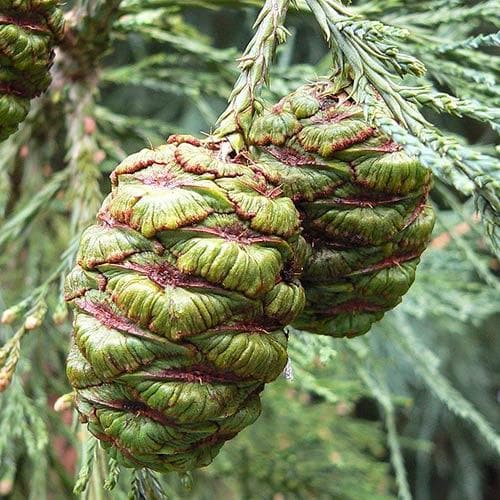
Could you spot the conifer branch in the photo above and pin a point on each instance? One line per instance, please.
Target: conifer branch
(89, 447)
(9, 357)
(83, 157)
(254, 65)
(440, 13)
(87, 37)
(473, 42)
(361, 48)
(17, 223)
(424, 364)
(382, 394)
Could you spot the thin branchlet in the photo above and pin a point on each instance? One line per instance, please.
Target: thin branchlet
(255, 64)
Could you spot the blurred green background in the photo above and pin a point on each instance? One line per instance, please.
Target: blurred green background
(408, 410)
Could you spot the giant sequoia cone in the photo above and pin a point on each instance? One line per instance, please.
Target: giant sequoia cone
(363, 203)
(181, 293)
(28, 31)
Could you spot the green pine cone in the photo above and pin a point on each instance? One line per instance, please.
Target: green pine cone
(28, 31)
(181, 293)
(363, 203)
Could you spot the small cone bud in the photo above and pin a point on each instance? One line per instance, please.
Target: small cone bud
(5, 379)
(65, 402)
(32, 322)
(60, 314)
(15, 312)
(9, 316)
(35, 319)
(6, 486)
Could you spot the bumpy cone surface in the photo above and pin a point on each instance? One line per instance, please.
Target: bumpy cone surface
(181, 293)
(363, 202)
(28, 31)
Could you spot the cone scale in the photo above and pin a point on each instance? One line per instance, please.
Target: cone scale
(181, 293)
(363, 203)
(28, 31)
